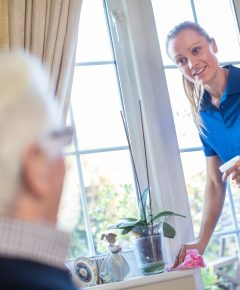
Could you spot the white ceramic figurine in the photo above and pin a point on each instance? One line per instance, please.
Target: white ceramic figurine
(114, 267)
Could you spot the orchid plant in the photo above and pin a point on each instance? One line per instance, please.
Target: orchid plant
(147, 223)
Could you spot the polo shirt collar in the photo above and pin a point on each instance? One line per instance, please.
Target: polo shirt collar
(233, 87)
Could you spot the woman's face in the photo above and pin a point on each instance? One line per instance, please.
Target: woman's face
(194, 56)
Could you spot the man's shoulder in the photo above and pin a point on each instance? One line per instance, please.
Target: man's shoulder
(23, 274)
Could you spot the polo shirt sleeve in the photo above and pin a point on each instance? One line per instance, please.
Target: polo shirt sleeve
(207, 149)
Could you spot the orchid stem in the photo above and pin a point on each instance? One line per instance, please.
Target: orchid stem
(134, 166)
(146, 163)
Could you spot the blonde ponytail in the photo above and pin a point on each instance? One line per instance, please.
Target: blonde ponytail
(194, 94)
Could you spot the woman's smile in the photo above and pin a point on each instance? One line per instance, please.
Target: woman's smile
(198, 72)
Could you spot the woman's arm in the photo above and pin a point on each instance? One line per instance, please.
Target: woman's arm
(213, 203)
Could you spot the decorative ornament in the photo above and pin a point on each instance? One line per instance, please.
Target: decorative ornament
(86, 271)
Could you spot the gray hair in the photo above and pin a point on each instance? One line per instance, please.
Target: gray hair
(28, 111)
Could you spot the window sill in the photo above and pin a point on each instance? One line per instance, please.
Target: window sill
(146, 280)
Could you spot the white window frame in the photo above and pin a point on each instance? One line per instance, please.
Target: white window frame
(142, 76)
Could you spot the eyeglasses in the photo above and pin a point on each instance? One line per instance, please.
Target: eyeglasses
(63, 136)
(57, 139)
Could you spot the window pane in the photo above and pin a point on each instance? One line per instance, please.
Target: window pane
(221, 246)
(167, 15)
(225, 222)
(70, 215)
(221, 26)
(187, 133)
(195, 175)
(110, 191)
(93, 44)
(236, 199)
(96, 107)
(195, 178)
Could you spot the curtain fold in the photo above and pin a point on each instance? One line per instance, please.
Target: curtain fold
(49, 30)
(236, 5)
(4, 33)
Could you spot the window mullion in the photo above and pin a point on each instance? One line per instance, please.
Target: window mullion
(83, 196)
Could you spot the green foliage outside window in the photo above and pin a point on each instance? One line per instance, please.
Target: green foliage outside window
(107, 204)
(210, 279)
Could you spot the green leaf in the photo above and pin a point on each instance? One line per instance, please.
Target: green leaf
(121, 222)
(126, 230)
(114, 226)
(142, 222)
(168, 231)
(130, 219)
(166, 214)
(127, 224)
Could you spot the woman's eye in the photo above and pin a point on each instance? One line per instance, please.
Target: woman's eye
(196, 50)
(181, 61)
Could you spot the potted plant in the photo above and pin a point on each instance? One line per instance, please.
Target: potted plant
(149, 228)
(147, 220)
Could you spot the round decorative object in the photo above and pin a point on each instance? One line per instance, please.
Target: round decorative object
(86, 271)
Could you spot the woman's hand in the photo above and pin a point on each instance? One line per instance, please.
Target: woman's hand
(234, 171)
(182, 252)
(212, 207)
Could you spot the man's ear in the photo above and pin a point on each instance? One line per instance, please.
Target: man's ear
(35, 171)
(214, 45)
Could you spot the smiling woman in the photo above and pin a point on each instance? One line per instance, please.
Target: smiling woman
(214, 110)
(194, 52)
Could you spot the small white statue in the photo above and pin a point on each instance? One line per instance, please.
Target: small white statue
(114, 267)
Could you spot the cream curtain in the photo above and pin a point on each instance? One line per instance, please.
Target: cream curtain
(48, 29)
(4, 33)
(236, 5)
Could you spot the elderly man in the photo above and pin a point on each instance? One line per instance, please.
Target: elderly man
(32, 251)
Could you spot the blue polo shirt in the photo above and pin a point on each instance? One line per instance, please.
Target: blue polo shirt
(221, 135)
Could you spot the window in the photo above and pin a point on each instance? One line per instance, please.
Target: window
(99, 187)
(119, 62)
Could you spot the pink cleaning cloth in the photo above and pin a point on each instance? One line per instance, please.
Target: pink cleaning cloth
(192, 260)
